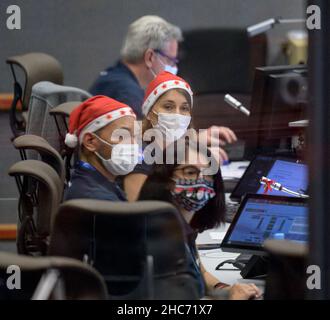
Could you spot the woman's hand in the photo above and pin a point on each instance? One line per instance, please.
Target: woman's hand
(242, 291)
(220, 136)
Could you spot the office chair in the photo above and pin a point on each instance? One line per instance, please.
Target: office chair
(40, 193)
(46, 152)
(36, 67)
(139, 248)
(46, 96)
(61, 114)
(50, 278)
(286, 278)
(216, 62)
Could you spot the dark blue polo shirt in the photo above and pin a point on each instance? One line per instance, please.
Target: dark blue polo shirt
(87, 183)
(119, 82)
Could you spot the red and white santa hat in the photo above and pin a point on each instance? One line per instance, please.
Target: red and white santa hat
(164, 81)
(92, 115)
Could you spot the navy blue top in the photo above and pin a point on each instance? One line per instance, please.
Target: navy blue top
(119, 82)
(87, 183)
(193, 258)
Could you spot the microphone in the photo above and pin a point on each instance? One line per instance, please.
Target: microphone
(268, 24)
(271, 184)
(236, 104)
(261, 27)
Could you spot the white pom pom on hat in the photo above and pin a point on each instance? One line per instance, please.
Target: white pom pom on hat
(71, 140)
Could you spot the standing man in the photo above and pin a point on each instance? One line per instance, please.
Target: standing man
(150, 46)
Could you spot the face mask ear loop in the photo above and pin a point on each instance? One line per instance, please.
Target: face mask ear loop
(153, 72)
(105, 142)
(157, 117)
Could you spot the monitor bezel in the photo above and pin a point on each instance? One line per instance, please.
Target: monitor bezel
(226, 247)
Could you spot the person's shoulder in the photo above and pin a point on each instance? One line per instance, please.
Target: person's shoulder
(118, 72)
(89, 184)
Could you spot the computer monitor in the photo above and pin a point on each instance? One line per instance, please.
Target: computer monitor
(279, 96)
(290, 172)
(262, 217)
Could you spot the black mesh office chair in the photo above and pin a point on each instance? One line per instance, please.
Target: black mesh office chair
(46, 152)
(40, 193)
(44, 97)
(49, 278)
(36, 67)
(61, 114)
(139, 248)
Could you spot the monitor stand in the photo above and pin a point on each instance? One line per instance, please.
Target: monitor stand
(251, 266)
(255, 268)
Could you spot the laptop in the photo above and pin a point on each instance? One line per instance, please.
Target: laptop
(290, 172)
(262, 217)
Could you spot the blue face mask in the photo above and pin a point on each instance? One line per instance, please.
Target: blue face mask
(169, 68)
(193, 195)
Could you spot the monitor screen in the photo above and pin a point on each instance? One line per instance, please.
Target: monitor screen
(262, 217)
(279, 96)
(291, 173)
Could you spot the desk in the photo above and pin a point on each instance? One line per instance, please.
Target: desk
(211, 258)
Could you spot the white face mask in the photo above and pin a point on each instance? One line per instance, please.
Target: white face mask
(169, 68)
(124, 157)
(172, 125)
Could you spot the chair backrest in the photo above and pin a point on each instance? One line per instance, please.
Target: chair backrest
(47, 153)
(286, 278)
(45, 96)
(231, 55)
(79, 280)
(127, 242)
(40, 193)
(36, 67)
(61, 114)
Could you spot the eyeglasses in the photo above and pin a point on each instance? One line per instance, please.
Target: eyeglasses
(194, 173)
(174, 61)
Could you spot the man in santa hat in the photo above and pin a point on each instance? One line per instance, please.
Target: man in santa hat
(103, 131)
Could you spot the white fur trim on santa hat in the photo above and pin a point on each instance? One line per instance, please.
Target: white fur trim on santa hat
(71, 140)
(161, 89)
(105, 119)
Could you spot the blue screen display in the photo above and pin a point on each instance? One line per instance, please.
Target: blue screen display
(291, 175)
(263, 219)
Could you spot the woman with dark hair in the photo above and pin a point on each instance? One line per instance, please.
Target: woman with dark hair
(198, 193)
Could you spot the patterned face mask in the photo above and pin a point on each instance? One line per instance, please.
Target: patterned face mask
(192, 195)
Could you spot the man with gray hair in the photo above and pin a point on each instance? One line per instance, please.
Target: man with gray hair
(150, 46)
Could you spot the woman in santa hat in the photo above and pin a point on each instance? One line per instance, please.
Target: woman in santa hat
(167, 110)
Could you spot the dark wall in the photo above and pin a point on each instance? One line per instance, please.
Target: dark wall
(86, 36)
